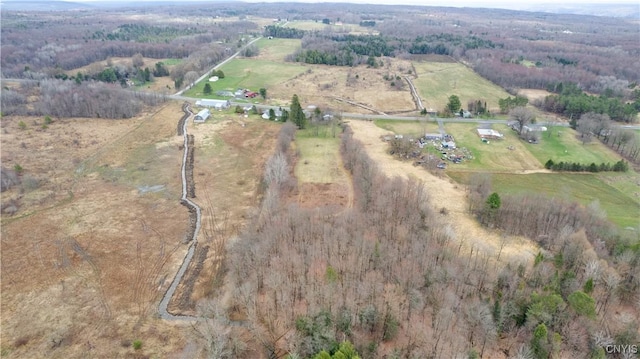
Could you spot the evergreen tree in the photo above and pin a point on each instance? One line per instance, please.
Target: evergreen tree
(454, 104)
(207, 89)
(295, 113)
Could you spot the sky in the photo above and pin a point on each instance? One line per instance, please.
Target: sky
(469, 3)
(537, 5)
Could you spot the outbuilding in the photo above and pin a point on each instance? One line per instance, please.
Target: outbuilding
(202, 116)
(217, 104)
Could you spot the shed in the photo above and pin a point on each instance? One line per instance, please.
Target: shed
(489, 133)
(202, 116)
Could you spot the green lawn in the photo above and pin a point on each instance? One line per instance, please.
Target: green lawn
(319, 160)
(248, 73)
(507, 154)
(562, 144)
(277, 49)
(438, 80)
(620, 207)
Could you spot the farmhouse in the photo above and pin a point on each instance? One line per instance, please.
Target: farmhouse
(217, 104)
(489, 133)
(202, 116)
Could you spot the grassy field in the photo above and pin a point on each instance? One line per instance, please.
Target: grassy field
(308, 25)
(408, 128)
(620, 208)
(171, 62)
(495, 155)
(563, 144)
(438, 80)
(319, 160)
(251, 74)
(319, 26)
(276, 49)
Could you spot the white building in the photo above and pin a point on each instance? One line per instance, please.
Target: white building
(217, 104)
(489, 133)
(202, 116)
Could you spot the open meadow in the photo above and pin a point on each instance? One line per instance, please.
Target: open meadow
(101, 199)
(250, 74)
(322, 179)
(621, 208)
(564, 144)
(333, 27)
(436, 81)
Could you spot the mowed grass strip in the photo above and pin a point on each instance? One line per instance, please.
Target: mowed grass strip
(248, 73)
(408, 128)
(563, 144)
(319, 158)
(438, 80)
(584, 188)
(495, 155)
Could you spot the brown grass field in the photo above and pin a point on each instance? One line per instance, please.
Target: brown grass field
(322, 85)
(89, 253)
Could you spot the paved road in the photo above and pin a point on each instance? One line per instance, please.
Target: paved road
(179, 93)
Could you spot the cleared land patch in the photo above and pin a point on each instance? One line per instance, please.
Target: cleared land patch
(248, 73)
(341, 28)
(276, 49)
(564, 144)
(438, 80)
(322, 179)
(324, 85)
(507, 154)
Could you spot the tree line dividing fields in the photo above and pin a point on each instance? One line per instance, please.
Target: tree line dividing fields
(621, 208)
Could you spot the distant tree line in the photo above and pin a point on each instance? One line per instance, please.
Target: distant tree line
(620, 166)
(350, 50)
(283, 32)
(146, 33)
(69, 99)
(63, 47)
(572, 102)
